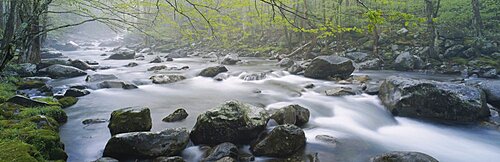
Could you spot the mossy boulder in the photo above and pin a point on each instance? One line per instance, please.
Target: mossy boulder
(7, 90)
(222, 150)
(47, 142)
(54, 112)
(31, 84)
(213, 71)
(74, 92)
(26, 102)
(68, 101)
(282, 141)
(168, 142)
(18, 151)
(323, 67)
(177, 115)
(62, 71)
(291, 114)
(131, 119)
(232, 121)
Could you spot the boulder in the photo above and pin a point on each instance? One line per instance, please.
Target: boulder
(166, 79)
(123, 55)
(253, 76)
(323, 67)
(116, 84)
(213, 71)
(232, 121)
(26, 102)
(100, 77)
(93, 121)
(33, 84)
(67, 101)
(492, 90)
(295, 69)
(399, 156)
(454, 51)
(48, 62)
(157, 59)
(80, 65)
(158, 68)
(132, 64)
(74, 92)
(433, 100)
(168, 142)
(130, 119)
(340, 91)
(374, 64)
(286, 63)
(220, 151)
(372, 88)
(91, 62)
(282, 141)
(169, 159)
(230, 59)
(406, 61)
(62, 71)
(357, 56)
(292, 114)
(177, 115)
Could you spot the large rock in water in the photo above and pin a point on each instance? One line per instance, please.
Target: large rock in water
(222, 150)
(166, 79)
(492, 90)
(168, 142)
(213, 71)
(123, 55)
(323, 67)
(399, 156)
(433, 100)
(282, 141)
(116, 84)
(100, 77)
(292, 114)
(231, 59)
(232, 121)
(131, 119)
(406, 61)
(82, 65)
(62, 71)
(177, 115)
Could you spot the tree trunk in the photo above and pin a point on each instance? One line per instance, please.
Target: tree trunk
(8, 36)
(431, 28)
(477, 22)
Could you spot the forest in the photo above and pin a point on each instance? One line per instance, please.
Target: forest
(249, 80)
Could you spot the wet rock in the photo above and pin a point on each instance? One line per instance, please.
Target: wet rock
(100, 77)
(123, 55)
(80, 65)
(295, 69)
(230, 59)
(157, 59)
(399, 156)
(282, 141)
(41, 79)
(23, 70)
(34, 84)
(292, 114)
(454, 51)
(169, 59)
(327, 139)
(492, 90)
(116, 84)
(372, 88)
(73, 92)
(91, 62)
(222, 150)
(374, 64)
(168, 142)
(488, 48)
(253, 76)
(433, 100)
(158, 68)
(232, 121)
(177, 115)
(406, 61)
(286, 63)
(67, 101)
(106, 159)
(131, 119)
(51, 54)
(62, 71)
(213, 71)
(166, 79)
(323, 67)
(26, 102)
(357, 56)
(93, 121)
(169, 159)
(340, 91)
(132, 64)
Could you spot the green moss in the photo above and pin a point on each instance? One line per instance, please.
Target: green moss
(459, 60)
(30, 84)
(68, 101)
(46, 141)
(7, 90)
(9, 110)
(51, 111)
(18, 151)
(485, 60)
(49, 100)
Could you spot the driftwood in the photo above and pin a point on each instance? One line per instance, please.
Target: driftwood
(298, 49)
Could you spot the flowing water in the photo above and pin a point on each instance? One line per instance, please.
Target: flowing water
(362, 126)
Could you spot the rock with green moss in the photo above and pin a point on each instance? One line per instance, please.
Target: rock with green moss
(9, 110)
(32, 84)
(68, 101)
(62, 71)
(47, 142)
(74, 92)
(399, 156)
(232, 121)
(168, 142)
(292, 114)
(49, 100)
(26, 102)
(18, 151)
(7, 90)
(177, 115)
(282, 141)
(323, 67)
(131, 119)
(54, 112)
(213, 71)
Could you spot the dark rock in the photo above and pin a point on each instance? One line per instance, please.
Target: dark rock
(40, 79)
(433, 100)
(310, 86)
(117, 84)
(213, 71)
(222, 150)
(488, 48)
(62, 71)
(286, 63)
(406, 61)
(169, 159)
(454, 51)
(177, 115)
(100, 77)
(232, 121)
(398, 156)
(230, 60)
(372, 88)
(166, 79)
(157, 59)
(323, 67)
(492, 90)
(327, 139)
(26, 102)
(374, 64)
(340, 91)
(169, 59)
(73, 92)
(168, 142)
(282, 141)
(132, 64)
(158, 68)
(80, 65)
(295, 69)
(291, 114)
(30, 85)
(91, 62)
(123, 55)
(131, 119)
(93, 121)
(357, 56)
